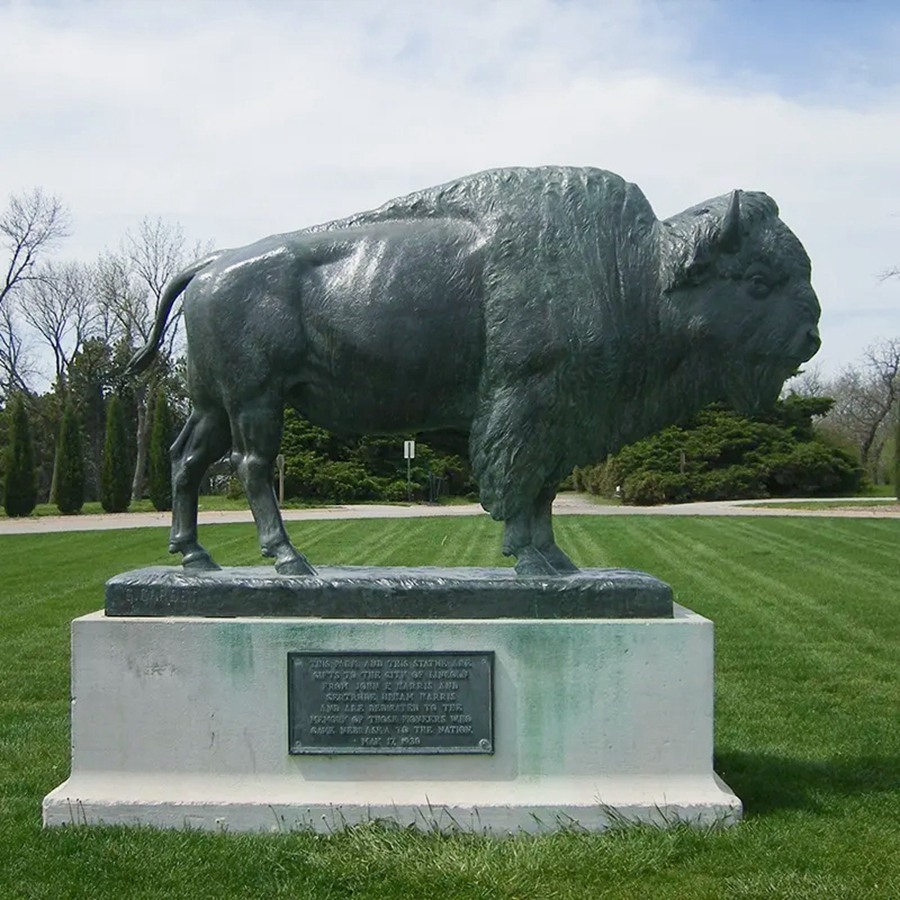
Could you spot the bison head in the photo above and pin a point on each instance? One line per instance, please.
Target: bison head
(737, 294)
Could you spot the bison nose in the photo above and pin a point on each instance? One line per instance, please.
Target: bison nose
(813, 342)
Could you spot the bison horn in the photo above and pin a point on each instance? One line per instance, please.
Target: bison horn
(730, 232)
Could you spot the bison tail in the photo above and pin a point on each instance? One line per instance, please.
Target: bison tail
(142, 359)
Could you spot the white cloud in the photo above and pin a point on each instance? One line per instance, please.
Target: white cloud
(246, 118)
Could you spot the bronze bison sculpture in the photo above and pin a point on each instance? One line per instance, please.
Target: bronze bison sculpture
(545, 312)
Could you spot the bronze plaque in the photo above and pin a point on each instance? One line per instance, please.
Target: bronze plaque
(361, 702)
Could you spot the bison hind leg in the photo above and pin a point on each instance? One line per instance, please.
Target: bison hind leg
(204, 438)
(256, 435)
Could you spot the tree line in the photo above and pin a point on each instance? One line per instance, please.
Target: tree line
(73, 441)
(99, 433)
(88, 433)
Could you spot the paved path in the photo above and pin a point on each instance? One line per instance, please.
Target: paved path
(567, 504)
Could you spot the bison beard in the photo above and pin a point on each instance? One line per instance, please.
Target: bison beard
(599, 325)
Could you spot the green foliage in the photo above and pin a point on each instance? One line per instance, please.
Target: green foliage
(722, 455)
(19, 490)
(69, 464)
(115, 482)
(43, 413)
(323, 466)
(159, 464)
(96, 373)
(796, 413)
(93, 375)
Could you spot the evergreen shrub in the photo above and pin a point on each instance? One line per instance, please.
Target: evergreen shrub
(328, 468)
(724, 456)
(19, 486)
(159, 462)
(69, 464)
(115, 476)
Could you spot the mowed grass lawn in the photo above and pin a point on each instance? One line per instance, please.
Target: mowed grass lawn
(807, 728)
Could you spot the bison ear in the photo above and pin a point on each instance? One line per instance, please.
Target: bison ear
(730, 232)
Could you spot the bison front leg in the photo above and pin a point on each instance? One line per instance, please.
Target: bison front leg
(256, 434)
(202, 441)
(510, 446)
(518, 543)
(542, 534)
(528, 537)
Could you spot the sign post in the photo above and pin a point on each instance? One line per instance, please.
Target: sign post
(409, 454)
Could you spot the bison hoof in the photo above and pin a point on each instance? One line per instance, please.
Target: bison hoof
(298, 566)
(560, 562)
(550, 561)
(200, 561)
(532, 562)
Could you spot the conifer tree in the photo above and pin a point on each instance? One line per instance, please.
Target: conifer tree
(115, 477)
(19, 488)
(159, 463)
(69, 464)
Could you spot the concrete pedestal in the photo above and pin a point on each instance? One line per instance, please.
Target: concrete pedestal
(183, 722)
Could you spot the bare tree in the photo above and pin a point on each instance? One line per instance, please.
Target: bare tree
(16, 364)
(808, 382)
(156, 252)
(30, 225)
(130, 281)
(121, 302)
(60, 307)
(129, 284)
(882, 363)
(865, 395)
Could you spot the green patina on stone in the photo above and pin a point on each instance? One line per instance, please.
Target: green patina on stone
(234, 645)
(545, 719)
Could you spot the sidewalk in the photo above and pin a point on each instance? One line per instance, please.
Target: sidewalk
(566, 504)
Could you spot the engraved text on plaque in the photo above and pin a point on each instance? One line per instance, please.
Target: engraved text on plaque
(361, 702)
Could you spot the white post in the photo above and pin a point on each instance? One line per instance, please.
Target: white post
(409, 454)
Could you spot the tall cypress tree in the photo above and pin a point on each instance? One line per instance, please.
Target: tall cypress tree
(19, 488)
(115, 477)
(159, 463)
(69, 464)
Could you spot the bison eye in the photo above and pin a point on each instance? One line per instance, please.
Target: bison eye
(696, 271)
(759, 283)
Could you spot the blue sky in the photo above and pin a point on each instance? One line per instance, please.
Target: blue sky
(240, 118)
(832, 50)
